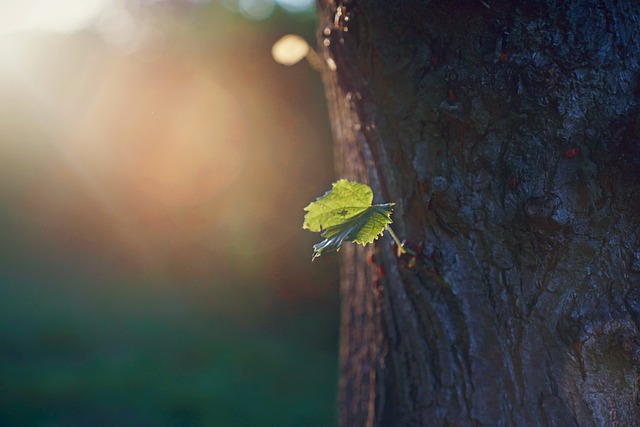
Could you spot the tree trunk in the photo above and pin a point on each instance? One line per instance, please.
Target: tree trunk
(507, 133)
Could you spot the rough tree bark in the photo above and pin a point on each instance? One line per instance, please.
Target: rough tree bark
(508, 134)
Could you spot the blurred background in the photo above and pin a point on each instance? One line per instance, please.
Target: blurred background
(154, 164)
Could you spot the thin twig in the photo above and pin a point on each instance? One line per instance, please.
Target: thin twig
(401, 248)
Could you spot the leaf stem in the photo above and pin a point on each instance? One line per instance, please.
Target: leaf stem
(401, 247)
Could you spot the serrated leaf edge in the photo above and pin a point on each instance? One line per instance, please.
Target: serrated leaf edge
(335, 241)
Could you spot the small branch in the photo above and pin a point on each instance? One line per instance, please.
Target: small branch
(314, 60)
(401, 248)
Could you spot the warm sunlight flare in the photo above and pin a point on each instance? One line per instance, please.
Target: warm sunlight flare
(171, 159)
(180, 141)
(147, 140)
(48, 15)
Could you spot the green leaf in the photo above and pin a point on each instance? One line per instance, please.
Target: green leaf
(345, 213)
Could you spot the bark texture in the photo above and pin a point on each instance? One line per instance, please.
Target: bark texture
(508, 135)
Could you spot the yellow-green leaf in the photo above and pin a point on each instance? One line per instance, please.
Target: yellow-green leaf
(345, 213)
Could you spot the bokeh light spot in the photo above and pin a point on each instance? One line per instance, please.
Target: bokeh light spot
(290, 49)
(297, 6)
(256, 9)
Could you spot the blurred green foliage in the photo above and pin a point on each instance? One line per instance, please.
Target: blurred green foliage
(119, 354)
